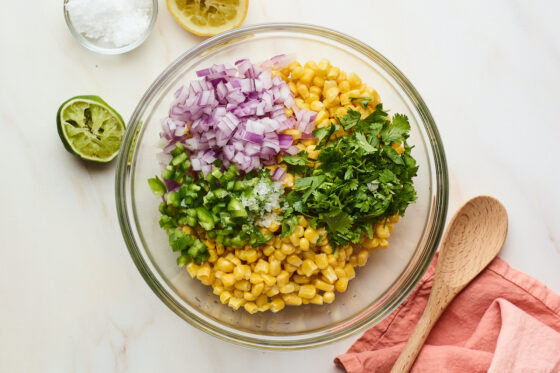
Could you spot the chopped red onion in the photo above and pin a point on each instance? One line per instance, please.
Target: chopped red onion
(278, 174)
(236, 114)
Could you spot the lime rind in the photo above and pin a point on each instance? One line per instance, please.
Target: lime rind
(90, 129)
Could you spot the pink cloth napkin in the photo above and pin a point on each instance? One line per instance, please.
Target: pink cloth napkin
(504, 321)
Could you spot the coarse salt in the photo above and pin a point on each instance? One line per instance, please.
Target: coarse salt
(116, 22)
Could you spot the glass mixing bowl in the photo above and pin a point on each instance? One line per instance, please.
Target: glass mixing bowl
(389, 275)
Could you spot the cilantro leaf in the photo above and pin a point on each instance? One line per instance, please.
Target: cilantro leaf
(295, 160)
(288, 226)
(364, 101)
(393, 155)
(324, 135)
(364, 144)
(309, 182)
(339, 221)
(396, 130)
(350, 119)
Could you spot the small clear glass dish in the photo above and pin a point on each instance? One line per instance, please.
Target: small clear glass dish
(103, 47)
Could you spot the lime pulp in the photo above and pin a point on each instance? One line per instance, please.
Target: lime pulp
(90, 129)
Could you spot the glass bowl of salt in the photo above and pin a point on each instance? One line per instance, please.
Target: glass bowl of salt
(110, 26)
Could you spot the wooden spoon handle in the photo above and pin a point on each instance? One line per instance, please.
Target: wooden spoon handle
(433, 310)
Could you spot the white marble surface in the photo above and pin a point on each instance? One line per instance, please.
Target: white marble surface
(71, 298)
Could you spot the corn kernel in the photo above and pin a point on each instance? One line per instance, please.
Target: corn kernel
(308, 75)
(292, 87)
(302, 90)
(257, 289)
(192, 269)
(316, 90)
(255, 278)
(323, 67)
(274, 226)
(261, 266)
(277, 304)
(311, 235)
(295, 242)
(328, 85)
(248, 296)
(350, 272)
(268, 250)
(238, 293)
(294, 260)
(288, 288)
(394, 219)
(265, 307)
(204, 272)
(288, 181)
(243, 285)
(311, 65)
(340, 111)
(341, 284)
(278, 254)
(333, 72)
(329, 274)
(384, 243)
(297, 73)
(308, 266)
(362, 258)
(225, 297)
(290, 268)
(340, 272)
(283, 278)
(274, 267)
(341, 77)
(344, 87)
(327, 248)
(370, 244)
(321, 116)
(307, 291)
(328, 297)
(272, 291)
(382, 231)
(332, 102)
(251, 256)
(354, 80)
(317, 299)
(292, 299)
(224, 265)
(292, 65)
(268, 279)
(322, 285)
(217, 290)
(302, 280)
(331, 93)
(235, 302)
(228, 280)
(321, 261)
(251, 307)
(318, 81)
(304, 244)
(261, 300)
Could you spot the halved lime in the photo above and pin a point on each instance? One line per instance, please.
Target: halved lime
(90, 129)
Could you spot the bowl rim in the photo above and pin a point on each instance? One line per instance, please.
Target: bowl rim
(83, 41)
(432, 237)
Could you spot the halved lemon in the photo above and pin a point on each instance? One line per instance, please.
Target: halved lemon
(208, 17)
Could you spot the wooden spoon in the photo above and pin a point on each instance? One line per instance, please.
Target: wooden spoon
(473, 238)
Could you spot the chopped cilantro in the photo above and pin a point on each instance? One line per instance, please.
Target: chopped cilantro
(359, 180)
(363, 101)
